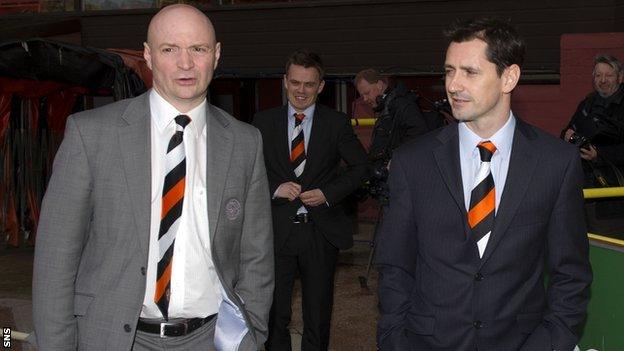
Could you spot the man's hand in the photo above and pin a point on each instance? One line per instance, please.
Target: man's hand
(590, 154)
(568, 134)
(313, 197)
(288, 190)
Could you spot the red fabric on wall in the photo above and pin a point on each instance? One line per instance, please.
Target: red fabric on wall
(60, 105)
(32, 110)
(33, 215)
(5, 112)
(27, 87)
(11, 225)
(134, 59)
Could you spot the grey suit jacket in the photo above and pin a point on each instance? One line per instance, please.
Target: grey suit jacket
(91, 251)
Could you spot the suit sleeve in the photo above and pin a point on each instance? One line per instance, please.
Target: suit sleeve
(65, 215)
(352, 152)
(256, 279)
(569, 269)
(260, 123)
(396, 261)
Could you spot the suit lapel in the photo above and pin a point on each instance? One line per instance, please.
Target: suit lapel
(219, 144)
(283, 140)
(522, 164)
(314, 144)
(135, 145)
(447, 159)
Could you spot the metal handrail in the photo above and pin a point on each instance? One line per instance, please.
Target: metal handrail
(595, 193)
(363, 122)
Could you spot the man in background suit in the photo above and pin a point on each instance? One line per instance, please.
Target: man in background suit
(304, 143)
(155, 229)
(478, 211)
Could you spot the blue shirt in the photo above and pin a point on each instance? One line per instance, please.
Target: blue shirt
(306, 123)
(470, 160)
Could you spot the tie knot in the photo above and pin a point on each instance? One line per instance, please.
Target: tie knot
(486, 150)
(182, 120)
(299, 117)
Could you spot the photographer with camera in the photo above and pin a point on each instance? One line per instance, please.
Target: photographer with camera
(399, 119)
(597, 128)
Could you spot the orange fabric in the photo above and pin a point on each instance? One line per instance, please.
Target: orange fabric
(172, 197)
(488, 145)
(161, 284)
(297, 151)
(482, 209)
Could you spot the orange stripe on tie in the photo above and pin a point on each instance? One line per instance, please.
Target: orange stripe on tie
(161, 284)
(297, 151)
(172, 197)
(488, 145)
(482, 209)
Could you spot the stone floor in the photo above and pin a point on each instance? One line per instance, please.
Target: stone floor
(354, 316)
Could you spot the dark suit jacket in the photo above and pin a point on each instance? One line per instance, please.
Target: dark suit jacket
(331, 140)
(434, 291)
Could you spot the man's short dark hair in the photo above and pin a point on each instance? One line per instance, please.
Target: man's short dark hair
(609, 60)
(505, 47)
(307, 59)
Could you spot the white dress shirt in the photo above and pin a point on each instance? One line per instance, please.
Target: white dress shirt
(470, 161)
(195, 285)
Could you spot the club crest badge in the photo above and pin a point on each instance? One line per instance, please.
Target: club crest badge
(232, 209)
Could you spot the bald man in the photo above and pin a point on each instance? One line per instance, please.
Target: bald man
(155, 230)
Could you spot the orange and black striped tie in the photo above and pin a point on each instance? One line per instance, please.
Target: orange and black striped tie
(297, 146)
(483, 198)
(172, 201)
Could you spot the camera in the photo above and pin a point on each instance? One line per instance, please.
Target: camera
(579, 140)
(376, 186)
(378, 183)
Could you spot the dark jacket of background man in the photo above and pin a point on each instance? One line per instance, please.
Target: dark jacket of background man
(399, 120)
(601, 120)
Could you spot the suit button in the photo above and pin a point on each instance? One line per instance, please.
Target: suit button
(477, 324)
(127, 328)
(478, 277)
(142, 270)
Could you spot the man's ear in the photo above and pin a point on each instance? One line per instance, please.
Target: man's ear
(510, 77)
(380, 86)
(217, 54)
(147, 55)
(321, 86)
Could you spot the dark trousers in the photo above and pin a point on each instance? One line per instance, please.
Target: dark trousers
(308, 252)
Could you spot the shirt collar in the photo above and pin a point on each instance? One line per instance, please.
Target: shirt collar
(308, 112)
(502, 139)
(163, 114)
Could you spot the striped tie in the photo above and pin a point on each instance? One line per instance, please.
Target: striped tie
(172, 200)
(297, 147)
(483, 199)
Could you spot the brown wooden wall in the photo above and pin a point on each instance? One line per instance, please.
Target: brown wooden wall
(399, 36)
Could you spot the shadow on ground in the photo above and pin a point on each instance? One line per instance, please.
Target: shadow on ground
(353, 322)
